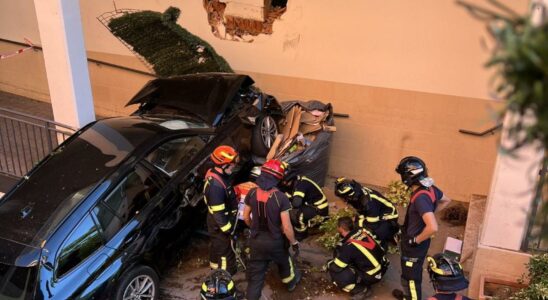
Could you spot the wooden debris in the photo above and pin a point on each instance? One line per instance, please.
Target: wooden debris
(272, 153)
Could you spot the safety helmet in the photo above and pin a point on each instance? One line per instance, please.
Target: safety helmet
(218, 285)
(446, 274)
(255, 172)
(224, 155)
(347, 189)
(412, 170)
(274, 167)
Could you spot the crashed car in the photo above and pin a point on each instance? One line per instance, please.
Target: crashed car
(98, 216)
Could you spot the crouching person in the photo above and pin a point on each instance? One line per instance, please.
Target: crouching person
(359, 260)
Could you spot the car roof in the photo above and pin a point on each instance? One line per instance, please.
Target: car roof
(43, 198)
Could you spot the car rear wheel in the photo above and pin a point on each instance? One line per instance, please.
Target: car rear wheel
(139, 284)
(264, 134)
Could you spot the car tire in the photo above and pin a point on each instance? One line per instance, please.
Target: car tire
(264, 134)
(142, 277)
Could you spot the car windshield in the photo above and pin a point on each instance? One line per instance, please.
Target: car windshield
(17, 282)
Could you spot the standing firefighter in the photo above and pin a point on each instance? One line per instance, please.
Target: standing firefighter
(419, 225)
(376, 213)
(359, 260)
(220, 200)
(308, 201)
(266, 212)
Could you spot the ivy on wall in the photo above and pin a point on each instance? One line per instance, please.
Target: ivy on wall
(169, 48)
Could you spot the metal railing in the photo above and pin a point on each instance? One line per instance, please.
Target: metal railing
(26, 139)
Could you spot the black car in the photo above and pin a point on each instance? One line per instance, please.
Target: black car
(96, 217)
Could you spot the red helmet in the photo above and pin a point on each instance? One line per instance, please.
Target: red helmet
(274, 167)
(223, 155)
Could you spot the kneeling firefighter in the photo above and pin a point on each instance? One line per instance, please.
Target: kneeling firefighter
(447, 277)
(359, 261)
(270, 231)
(308, 201)
(376, 213)
(218, 286)
(219, 197)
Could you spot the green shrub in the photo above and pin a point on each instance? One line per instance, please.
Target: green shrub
(168, 47)
(398, 193)
(330, 237)
(538, 276)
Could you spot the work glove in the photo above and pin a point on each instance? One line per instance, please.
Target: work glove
(412, 242)
(296, 249)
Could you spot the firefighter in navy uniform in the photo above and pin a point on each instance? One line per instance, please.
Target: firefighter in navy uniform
(419, 225)
(447, 277)
(220, 199)
(266, 212)
(375, 212)
(359, 261)
(307, 199)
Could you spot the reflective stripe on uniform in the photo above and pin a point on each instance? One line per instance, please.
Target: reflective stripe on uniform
(372, 219)
(291, 272)
(413, 290)
(230, 285)
(302, 226)
(324, 198)
(226, 227)
(223, 263)
(340, 263)
(322, 206)
(204, 287)
(360, 220)
(213, 265)
(216, 208)
(389, 217)
(349, 287)
(298, 194)
(370, 257)
(387, 204)
(409, 264)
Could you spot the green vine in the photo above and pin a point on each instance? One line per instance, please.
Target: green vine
(168, 47)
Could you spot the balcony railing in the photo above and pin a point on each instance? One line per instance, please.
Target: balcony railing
(26, 139)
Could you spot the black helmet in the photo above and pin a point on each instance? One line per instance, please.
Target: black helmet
(446, 273)
(412, 170)
(218, 285)
(347, 189)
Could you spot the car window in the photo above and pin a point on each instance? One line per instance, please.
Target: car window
(174, 153)
(110, 224)
(17, 282)
(80, 244)
(130, 196)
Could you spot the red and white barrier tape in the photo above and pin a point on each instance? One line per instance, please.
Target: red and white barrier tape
(8, 55)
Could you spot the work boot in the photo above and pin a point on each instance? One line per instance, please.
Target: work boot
(398, 294)
(293, 284)
(361, 291)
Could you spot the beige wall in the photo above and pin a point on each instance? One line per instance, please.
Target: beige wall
(496, 263)
(427, 45)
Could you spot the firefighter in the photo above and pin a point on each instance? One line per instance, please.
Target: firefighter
(271, 231)
(359, 261)
(220, 199)
(375, 212)
(219, 285)
(307, 200)
(419, 225)
(447, 277)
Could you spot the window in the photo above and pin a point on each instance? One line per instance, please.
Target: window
(17, 282)
(107, 220)
(173, 154)
(135, 191)
(80, 244)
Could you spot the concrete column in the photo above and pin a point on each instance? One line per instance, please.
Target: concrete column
(65, 58)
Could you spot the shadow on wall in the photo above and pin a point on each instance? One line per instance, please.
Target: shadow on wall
(239, 20)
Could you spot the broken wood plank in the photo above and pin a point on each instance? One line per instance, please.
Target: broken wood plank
(275, 146)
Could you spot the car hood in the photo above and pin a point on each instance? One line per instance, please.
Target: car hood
(206, 95)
